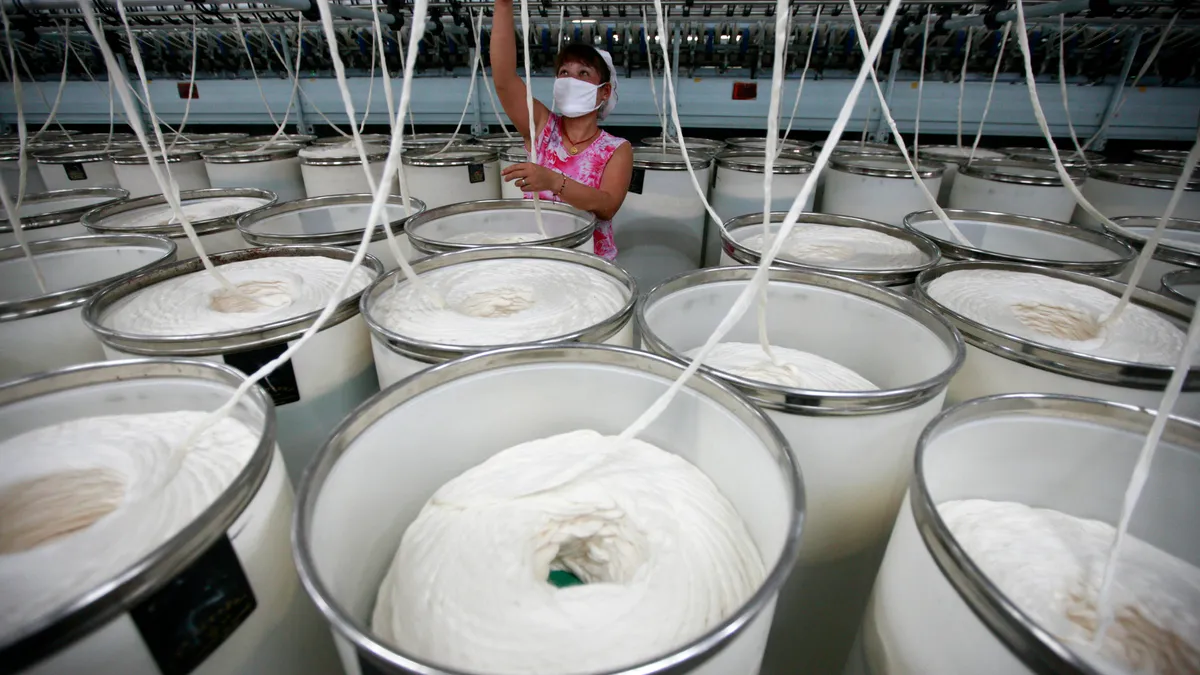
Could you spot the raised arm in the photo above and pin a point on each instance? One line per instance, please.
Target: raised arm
(509, 85)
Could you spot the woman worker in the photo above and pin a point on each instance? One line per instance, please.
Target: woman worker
(578, 162)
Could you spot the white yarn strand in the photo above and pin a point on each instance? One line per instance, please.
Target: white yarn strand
(292, 72)
(187, 106)
(52, 117)
(339, 71)
(761, 274)
(533, 132)
(962, 83)
(803, 73)
(987, 105)
(387, 76)
(781, 38)
(1062, 84)
(921, 86)
(658, 109)
(478, 26)
(237, 24)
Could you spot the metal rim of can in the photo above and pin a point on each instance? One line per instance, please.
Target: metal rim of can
(678, 659)
(184, 153)
(298, 139)
(435, 140)
(848, 147)
(94, 220)
(759, 143)
(881, 166)
(1166, 251)
(1160, 157)
(367, 139)
(894, 277)
(1172, 281)
(515, 154)
(750, 161)
(215, 137)
(64, 216)
(83, 615)
(349, 159)
(67, 298)
(433, 352)
(1030, 643)
(82, 154)
(811, 401)
(499, 141)
(351, 237)
(656, 159)
(1019, 172)
(1157, 176)
(208, 344)
(1056, 359)
(692, 141)
(1069, 157)
(955, 154)
(247, 154)
(12, 152)
(953, 250)
(430, 246)
(455, 155)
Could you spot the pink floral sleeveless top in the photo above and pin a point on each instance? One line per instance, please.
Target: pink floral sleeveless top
(587, 168)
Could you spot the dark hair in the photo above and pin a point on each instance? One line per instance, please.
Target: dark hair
(585, 55)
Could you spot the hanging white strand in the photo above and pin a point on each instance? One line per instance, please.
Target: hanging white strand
(293, 72)
(370, 91)
(491, 94)
(761, 274)
(62, 83)
(962, 83)
(41, 94)
(187, 106)
(1062, 84)
(478, 26)
(782, 17)
(237, 23)
(987, 105)
(533, 131)
(111, 102)
(1162, 38)
(658, 109)
(921, 87)
(387, 76)
(871, 110)
(562, 20)
(803, 73)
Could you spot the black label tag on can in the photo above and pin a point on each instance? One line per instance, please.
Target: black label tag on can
(280, 385)
(75, 171)
(366, 665)
(637, 181)
(186, 620)
(475, 172)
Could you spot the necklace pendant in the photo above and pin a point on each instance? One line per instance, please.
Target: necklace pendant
(574, 150)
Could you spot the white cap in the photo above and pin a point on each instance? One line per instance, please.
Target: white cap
(611, 103)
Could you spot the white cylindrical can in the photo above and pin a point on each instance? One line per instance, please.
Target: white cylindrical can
(935, 611)
(951, 157)
(460, 174)
(337, 169)
(53, 215)
(1182, 285)
(399, 356)
(738, 190)
(1136, 190)
(854, 447)
(334, 220)
(275, 168)
(219, 597)
(1013, 186)
(10, 166)
(697, 147)
(659, 231)
(1002, 363)
(213, 213)
(312, 392)
(185, 164)
(77, 167)
(877, 187)
(43, 331)
(509, 156)
(1178, 249)
(500, 222)
(349, 521)
(837, 259)
(1070, 156)
(1003, 237)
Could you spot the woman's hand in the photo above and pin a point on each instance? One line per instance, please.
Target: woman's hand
(533, 178)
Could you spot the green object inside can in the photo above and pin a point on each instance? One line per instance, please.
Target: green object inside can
(563, 579)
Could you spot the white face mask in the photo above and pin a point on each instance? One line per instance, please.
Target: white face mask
(575, 98)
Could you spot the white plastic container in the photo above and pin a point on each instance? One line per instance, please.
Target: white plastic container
(335, 220)
(734, 252)
(854, 448)
(933, 611)
(1137, 190)
(434, 141)
(275, 168)
(53, 215)
(759, 144)
(1179, 248)
(450, 228)
(221, 597)
(1016, 187)
(1000, 363)
(10, 167)
(659, 231)
(43, 331)
(1042, 155)
(697, 147)
(952, 157)
(377, 471)
(327, 171)
(738, 190)
(460, 174)
(399, 356)
(499, 141)
(77, 167)
(1003, 237)
(876, 187)
(1182, 285)
(152, 215)
(133, 170)
(509, 156)
(312, 392)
